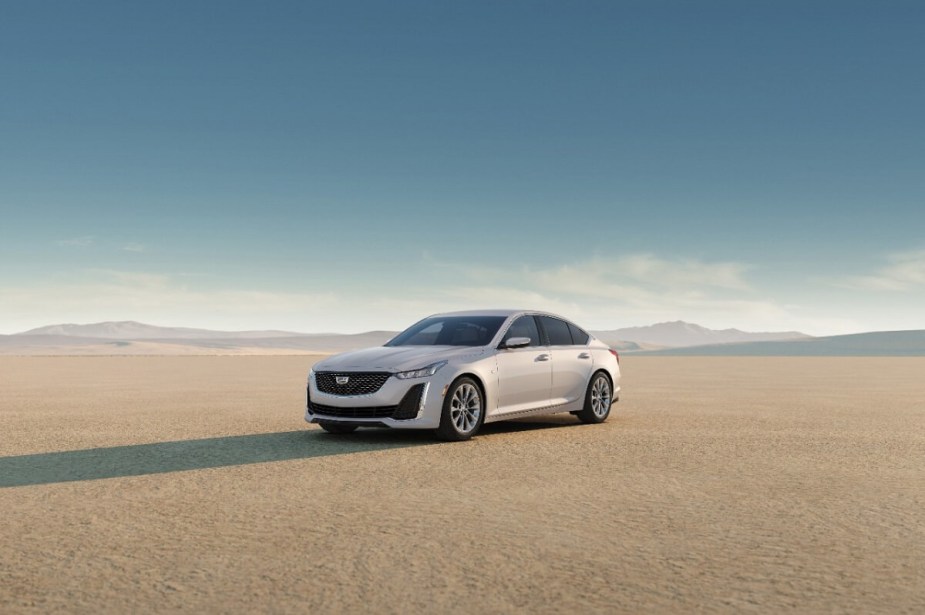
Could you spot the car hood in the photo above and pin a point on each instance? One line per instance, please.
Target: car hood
(395, 358)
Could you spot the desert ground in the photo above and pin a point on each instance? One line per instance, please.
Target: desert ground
(167, 484)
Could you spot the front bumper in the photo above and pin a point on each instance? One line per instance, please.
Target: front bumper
(400, 404)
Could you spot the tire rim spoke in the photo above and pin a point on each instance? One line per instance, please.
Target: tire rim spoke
(465, 408)
(600, 396)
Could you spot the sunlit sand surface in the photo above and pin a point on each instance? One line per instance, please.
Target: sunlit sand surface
(149, 484)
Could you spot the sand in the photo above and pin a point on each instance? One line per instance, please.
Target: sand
(146, 484)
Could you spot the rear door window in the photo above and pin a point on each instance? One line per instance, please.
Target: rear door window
(557, 331)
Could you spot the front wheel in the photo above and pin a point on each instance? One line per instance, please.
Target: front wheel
(463, 411)
(598, 399)
(334, 427)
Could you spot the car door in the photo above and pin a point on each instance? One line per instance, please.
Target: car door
(524, 374)
(571, 361)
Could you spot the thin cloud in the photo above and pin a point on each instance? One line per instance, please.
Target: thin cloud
(77, 242)
(134, 247)
(598, 293)
(684, 273)
(97, 295)
(635, 276)
(904, 271)
(630, 290)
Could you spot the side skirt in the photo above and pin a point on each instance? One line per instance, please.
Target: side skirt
(556, 409)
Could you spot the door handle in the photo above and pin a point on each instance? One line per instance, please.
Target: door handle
(584, 355)
(543, 357)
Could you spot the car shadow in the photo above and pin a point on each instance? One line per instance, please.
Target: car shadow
(178, 456)
(183, 455)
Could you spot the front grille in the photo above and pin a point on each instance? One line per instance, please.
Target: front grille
(358, 383)
(407, 408)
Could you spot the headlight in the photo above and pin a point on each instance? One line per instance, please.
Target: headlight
(430, 370)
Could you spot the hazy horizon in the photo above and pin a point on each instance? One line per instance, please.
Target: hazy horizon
(357, 166)
(266, 330)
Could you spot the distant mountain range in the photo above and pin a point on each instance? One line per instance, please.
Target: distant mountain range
(682, 334)
(133, 338)
(131, 330)
(874, 344)
(667, 338)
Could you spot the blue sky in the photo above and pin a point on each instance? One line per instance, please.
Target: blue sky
(346, 166)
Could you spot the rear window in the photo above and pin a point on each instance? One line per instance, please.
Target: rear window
(579, 337)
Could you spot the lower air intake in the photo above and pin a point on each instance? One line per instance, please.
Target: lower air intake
(406, 409)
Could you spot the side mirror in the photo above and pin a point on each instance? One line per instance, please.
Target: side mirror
(516, 342)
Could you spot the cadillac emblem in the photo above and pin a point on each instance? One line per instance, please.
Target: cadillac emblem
(342, 379)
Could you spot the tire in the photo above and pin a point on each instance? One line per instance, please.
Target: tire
(598, 400)
(339, 428)
(463, 411)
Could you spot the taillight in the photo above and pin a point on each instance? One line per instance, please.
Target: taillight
(616, 355)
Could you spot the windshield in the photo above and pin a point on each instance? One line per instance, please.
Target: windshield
(450, 331)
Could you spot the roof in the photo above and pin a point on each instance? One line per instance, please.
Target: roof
(492, 312)
(481, 313)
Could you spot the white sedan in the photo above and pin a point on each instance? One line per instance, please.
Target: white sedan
(454, 372)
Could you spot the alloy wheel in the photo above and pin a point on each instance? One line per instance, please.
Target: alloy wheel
(465, 408)
(600, 396)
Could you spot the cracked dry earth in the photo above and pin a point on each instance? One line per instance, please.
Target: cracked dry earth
(167, 484)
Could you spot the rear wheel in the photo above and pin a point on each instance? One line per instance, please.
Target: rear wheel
(463, 411)
(598, 399)
(333, 427)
